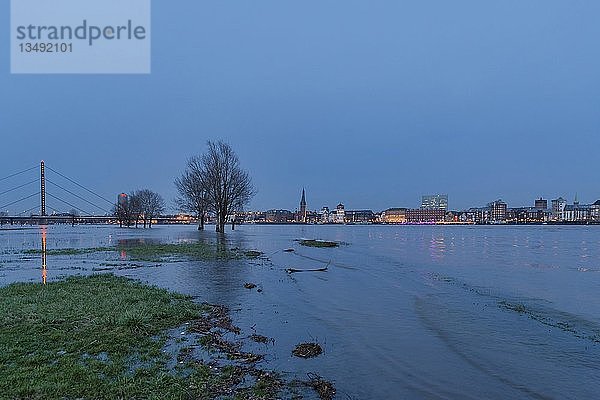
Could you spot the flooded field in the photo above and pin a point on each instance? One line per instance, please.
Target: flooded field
(432, 312)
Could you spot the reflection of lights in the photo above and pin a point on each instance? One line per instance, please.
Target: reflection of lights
(44, 270)
(437, 247)
(123, 255)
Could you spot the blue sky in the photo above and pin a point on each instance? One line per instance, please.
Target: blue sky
(368, 103)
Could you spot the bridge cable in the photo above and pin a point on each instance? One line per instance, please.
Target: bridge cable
(19, 173)
(76, 195)
(67, 203)
(18, 201)
(81, 186)
(19, 187)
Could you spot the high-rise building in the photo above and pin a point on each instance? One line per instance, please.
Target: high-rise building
(435, 202)
(122, 200)
(558, 206)
(541, 204)
(498, 210)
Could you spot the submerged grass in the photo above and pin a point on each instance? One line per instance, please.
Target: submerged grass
(97, 337)
(159, 252)
(307, 350)
(318, 243)
(69, 251)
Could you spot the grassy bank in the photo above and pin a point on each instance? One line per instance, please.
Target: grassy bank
(103, 337)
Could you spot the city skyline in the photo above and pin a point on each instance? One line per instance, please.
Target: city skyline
(427, 200)
(533, 203)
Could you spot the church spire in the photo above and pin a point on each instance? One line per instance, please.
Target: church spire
(303, 207)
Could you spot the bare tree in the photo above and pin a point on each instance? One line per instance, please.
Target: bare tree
(135, 209)
(193, 191)
(121, 211)
(128, 211)
(151, 205)
(229, 187)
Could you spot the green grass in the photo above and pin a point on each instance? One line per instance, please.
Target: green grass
(156, 252)
(318, 243)
(98, 337)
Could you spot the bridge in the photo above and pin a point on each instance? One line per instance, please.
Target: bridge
(64, 192)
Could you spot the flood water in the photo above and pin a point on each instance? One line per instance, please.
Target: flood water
(415, 312)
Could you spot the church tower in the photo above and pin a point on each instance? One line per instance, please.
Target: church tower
(303, 207)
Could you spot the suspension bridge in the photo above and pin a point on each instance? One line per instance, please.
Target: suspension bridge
(58, 199)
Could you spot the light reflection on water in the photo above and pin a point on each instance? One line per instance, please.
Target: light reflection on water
(44, 255)
(403, 312)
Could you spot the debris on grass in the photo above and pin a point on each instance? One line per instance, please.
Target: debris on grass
(185, 354)
(215, 316)
(259, 338)
(213, 341)
(249, 358)
(267, 385)
(324, 388)
(307, 350)
(253, 254)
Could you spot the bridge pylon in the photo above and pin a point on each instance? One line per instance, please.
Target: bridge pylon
(43, 189)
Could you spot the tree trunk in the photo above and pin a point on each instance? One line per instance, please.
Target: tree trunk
(144, 223)
(220, 224)
(233, 224)
(201, 226)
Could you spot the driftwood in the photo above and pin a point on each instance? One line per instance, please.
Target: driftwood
(293, 270)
